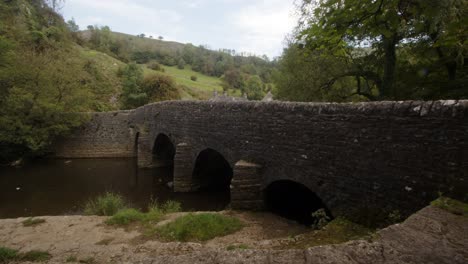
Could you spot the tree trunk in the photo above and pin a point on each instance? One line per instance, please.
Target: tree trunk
(388, 80)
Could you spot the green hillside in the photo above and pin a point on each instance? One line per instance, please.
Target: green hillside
(216, 70)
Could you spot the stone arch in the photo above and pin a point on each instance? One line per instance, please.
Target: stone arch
(163, 151)
(294, 201)
(211, 172)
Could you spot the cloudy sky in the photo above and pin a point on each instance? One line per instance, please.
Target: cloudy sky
(257, 26)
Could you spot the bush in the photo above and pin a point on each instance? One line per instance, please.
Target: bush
(451, 205)
(105, 205)
(7, 255)
(35, 256)
(156, 67)
(193, 78)
(160, 87)
(125, 217)
(33, 221)
(199, 227)
(155, 214)
(170, 207)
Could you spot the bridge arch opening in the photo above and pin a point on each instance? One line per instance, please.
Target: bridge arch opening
(294, 201)
(163, 151)
(213, 174)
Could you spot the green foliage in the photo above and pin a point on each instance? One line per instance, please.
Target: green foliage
(402, 49)
(451, 205)
(33, 221)
(307, 76)
(155, 213)
(193, 78)
(337, 231)
(44, 79)
(181, 64)
(133, 95)
(7, 255)
(39, 101)
(321, 219)
(254, 88)
(125, 217)
(107, 204)
(170, 207)
(159, 87)
(35, 256)
(199, 227)
(156, 67)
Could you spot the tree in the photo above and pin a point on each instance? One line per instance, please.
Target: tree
(40, 99)
(181, 64)
(160, 87)
(305, 76)
(253, 89)
(161, 38)
(56, 5)
(384, 27)
(72, 26)
(133, 95)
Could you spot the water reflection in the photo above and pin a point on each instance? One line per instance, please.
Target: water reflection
(58, 187)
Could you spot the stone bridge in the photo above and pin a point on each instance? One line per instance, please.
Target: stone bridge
(361, 160)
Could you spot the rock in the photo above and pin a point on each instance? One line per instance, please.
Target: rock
(17, 163)
(170, 185)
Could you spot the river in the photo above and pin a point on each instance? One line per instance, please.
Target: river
(61, 187)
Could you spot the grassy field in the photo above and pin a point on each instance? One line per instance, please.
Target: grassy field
(202, 89)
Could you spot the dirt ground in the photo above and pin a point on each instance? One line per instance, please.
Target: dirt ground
(87, 237)
(432, 235)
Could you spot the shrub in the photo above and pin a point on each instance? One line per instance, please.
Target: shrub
(160, 87)
(193, 78)
(451, 205)
(105, 205)
(33, 221)
(7, 255)
(125, 217)
(156, 67)
(171, 207)
(321, 218)
(199, 227)
(35, 256)
(155, 214)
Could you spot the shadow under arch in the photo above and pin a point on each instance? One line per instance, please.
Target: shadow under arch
(293, 201)
(212, 173)
(163, 151)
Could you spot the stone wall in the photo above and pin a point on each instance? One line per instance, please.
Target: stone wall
(106, 135)
(355, 157)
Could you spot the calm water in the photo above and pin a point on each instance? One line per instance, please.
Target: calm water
(58, 187)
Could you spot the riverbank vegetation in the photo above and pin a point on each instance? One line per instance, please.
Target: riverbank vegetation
(451, 205)
(199, 227)
(107, 204)
(8, 255)
(337, 231)
(33, 221)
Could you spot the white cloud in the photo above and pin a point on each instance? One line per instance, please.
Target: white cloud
(148, 18)
(263, 25)
(256, 26)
